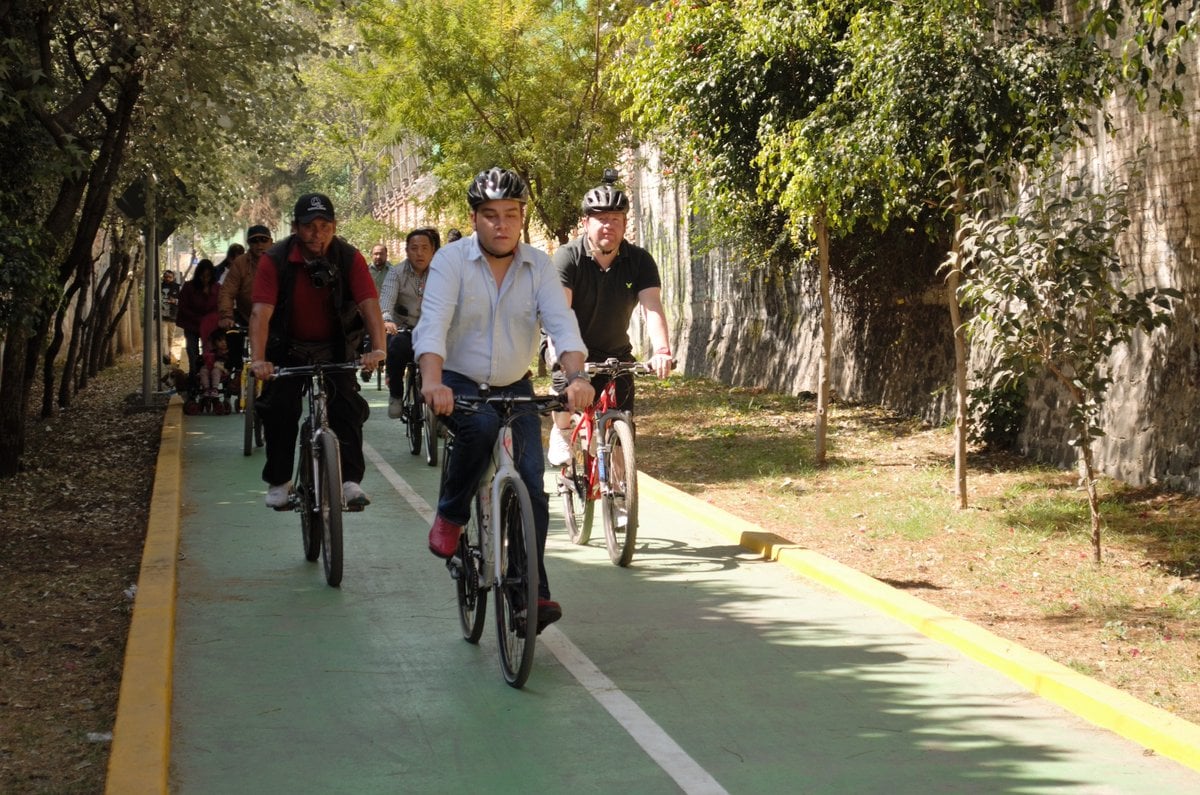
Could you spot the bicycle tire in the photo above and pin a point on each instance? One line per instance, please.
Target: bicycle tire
(472, 596)
(517, 588)
(620, 498)
(311, 529)
(431, 429)
(330, 469)
(248, 418)
(578, 510)
(412, 410)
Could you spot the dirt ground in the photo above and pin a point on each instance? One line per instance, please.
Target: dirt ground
(73, 524)
(72, 528)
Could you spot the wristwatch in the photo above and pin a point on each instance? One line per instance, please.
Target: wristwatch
(581, 375)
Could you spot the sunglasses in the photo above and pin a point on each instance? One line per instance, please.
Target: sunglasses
(259, 239)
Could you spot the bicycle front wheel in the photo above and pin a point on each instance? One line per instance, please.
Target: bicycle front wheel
(412, 410)
(620, 496)
(311, 527)
(470, 578)
(429, 427)
(517, 588)
(330, 483)
(248, 387)
(574, 489)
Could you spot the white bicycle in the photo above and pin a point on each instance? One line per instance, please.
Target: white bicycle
(497, 550)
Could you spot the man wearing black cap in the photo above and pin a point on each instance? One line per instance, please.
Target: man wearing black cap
(313, 299)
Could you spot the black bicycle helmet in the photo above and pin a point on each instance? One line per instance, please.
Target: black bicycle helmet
(494, 184)
(606, 198)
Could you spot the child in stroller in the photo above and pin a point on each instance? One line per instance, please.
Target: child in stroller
(211, 393)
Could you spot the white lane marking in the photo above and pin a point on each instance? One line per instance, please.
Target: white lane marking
(690, 777)
(399, 484)
(657, 744)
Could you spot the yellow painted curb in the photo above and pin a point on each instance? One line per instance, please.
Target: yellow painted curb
(141, 744)
(1105, 706)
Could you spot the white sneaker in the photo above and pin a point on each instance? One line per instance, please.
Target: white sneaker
(356, 499)
(395, 408)
(560, 449)
(279, 497)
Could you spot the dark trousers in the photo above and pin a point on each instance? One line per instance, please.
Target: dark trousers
(280, 407)
(474, 437)
(399, 355)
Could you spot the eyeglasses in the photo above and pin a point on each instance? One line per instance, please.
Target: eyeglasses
(260, 240)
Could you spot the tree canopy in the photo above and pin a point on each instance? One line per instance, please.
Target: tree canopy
(475, 83)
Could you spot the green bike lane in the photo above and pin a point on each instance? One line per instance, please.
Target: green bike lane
(704, 667)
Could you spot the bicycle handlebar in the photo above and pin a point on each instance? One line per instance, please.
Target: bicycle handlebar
(307, 370)
(614, 367)
(543, 403)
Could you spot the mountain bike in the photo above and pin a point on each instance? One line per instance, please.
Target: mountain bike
(317, 491)
(603, 468)
(497, 550)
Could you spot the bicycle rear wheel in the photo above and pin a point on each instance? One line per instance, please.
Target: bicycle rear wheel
(248, 387)
(469, 578)
(430, 425)
(311, 527)
(330, 483)
(620, 501)
(517, 588)
(412, 409)
(573, 488)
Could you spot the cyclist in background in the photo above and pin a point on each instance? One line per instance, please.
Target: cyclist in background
(400, 300)
(235, 300)
(379, 267)
(313, 300)
(606, 277)
(479, 325)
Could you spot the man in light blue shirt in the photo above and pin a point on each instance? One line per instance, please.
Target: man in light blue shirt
(479, 324)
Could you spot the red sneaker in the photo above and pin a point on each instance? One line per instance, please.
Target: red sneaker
(443, 537)
(549, 611)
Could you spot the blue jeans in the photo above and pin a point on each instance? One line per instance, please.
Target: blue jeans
(474, 437)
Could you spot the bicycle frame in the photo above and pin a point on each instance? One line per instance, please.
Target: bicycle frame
(595, 419)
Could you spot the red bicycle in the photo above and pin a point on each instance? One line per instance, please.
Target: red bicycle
(603, 468)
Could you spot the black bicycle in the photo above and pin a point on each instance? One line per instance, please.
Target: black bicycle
(317, 489)
(413, 415)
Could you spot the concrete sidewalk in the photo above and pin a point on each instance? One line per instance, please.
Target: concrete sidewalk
(704, 662)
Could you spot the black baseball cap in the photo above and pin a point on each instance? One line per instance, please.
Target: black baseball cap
(258, 230)
(313, 205)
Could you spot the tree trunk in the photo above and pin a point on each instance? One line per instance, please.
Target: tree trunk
(12, 402)
(822, 230)
(961, 419)
(1087, 471)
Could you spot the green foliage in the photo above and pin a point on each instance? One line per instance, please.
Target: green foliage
(470, 84)
(707, 81)
(999, 412)
(1049, 291)
(1151, 35)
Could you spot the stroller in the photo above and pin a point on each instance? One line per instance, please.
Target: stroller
(213, 387)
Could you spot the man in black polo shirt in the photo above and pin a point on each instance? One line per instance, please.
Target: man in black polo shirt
(606, 277)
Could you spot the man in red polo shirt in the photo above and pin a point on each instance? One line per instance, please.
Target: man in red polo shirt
(313, 300)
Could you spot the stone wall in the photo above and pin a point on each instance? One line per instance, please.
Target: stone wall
(737, 326)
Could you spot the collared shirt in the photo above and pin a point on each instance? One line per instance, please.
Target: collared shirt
(400, 298)
(379, 273)
(604, 300)
(487, 334)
